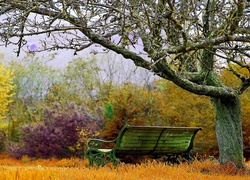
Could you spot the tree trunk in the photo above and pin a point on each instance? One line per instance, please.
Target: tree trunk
(229, 130)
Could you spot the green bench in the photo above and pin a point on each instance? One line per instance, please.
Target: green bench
(143, 140)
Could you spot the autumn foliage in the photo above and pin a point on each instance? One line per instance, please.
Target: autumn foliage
(6, 86)
(161, 105)
(165, 104)
(60, 135)
(39, 121)
(128, 104)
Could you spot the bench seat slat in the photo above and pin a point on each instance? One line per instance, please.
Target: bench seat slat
(155, 140)
(154, 148)
(153, 144)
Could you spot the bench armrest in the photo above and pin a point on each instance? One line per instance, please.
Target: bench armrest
(96, 143)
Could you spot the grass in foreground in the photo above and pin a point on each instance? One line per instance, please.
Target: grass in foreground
(75, 169)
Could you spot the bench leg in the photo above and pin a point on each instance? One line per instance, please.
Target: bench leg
(101, 158)
(91, 162)
(110, 157)
(172, 159)
(89, 156)
(187, 157)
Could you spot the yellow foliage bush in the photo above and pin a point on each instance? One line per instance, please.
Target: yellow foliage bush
(166, 104)
(163, 105)
(132, 105)
(6, 86)
(177, 107)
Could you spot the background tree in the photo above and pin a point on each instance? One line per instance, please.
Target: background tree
(33, 78)
(186, 42)
(6, 94)
(6, 87)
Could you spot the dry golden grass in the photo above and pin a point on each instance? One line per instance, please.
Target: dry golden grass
(75, 169)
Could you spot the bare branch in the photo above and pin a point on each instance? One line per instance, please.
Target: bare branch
(167, 37)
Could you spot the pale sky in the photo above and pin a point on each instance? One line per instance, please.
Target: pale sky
(121, 66)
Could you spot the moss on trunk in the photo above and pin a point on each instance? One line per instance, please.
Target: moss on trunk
(229, 130)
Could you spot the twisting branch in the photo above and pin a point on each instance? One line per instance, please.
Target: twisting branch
(159, 30)
(20, 42)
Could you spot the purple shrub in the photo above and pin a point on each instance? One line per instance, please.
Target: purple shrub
(55, 138)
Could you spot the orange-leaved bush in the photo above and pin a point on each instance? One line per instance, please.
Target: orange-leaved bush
(178, 107)
(128, 104)
(164, 104)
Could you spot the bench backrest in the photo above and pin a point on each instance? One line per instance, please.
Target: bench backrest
(155, 140)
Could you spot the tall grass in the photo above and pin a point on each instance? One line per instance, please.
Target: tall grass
(76, 169)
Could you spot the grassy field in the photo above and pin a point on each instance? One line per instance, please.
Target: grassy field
(75, 169)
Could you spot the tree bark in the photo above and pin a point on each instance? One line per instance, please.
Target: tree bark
(229, 130)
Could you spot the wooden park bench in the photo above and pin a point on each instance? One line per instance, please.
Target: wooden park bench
(143, 140)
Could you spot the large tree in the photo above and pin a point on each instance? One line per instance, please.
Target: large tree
(186, 42)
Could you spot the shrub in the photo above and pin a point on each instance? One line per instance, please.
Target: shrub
(33, 78)
(6, 86)
(62, 135)
(128, 104)
(162, 105)
(2, 140)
